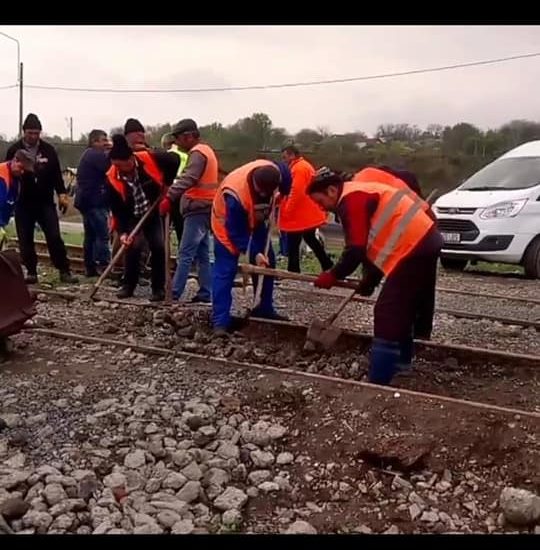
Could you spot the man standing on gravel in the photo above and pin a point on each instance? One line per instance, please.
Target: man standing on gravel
(136, 180)
(195, 190)
(91, 201)
(387, 230)
(36, 202)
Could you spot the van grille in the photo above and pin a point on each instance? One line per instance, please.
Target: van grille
(466, 228)
(453, 210)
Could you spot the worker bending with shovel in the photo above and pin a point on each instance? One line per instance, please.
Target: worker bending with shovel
(243, 203)
(387, 231)
(136, 181)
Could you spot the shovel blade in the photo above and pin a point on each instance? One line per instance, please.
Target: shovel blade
(322, 334)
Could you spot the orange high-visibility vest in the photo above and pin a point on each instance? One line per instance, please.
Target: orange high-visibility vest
(149, 165)
(371, 174)
(205, 189)
(237, 185)
(297, 210)
(5, 173)
(398, 224)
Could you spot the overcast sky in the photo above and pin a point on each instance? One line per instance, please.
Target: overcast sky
(219, 56)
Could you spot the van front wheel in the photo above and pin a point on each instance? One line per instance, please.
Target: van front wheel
(531, 260)
(453, 264)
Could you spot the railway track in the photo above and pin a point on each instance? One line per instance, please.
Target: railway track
(75, 253)
(287, 372)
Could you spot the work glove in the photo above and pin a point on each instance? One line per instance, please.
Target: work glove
(165, 206)
(365, 288)
(261, 260)
(326, 279)
(126, 240)
(63, 202)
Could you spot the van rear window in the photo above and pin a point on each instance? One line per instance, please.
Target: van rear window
(509, 173)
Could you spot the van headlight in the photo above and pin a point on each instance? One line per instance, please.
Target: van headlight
(506, 209)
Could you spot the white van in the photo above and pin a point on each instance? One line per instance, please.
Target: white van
(494, 216)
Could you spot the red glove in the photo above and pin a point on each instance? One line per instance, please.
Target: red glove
(165, 206)
(326, 279)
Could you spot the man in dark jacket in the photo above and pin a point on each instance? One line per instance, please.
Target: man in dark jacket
(91, 201)
(36, 202)
(135, 181)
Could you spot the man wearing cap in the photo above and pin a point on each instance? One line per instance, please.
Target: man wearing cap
(10, 175)
(36, 202)
(240, 208)
(195, 188)
(135, 135)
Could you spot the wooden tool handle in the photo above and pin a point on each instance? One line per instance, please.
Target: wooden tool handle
(121, 250)
(167, 237)
(341, 306)
(271, 223)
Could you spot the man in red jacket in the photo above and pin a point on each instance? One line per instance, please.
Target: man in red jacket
(299, 215)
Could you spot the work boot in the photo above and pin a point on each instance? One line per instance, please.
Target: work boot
(220, 332)
(125, 292)
(384, 360)
(68, 278)
(31, 279)
(406, 354)
(157, 296)
(199, 300)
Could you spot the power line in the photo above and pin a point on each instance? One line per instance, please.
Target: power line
(290, 84)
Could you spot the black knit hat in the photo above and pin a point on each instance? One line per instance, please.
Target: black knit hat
(267, 178)
(133, 125)
(120, 149)
(31, 122)
(184, 126)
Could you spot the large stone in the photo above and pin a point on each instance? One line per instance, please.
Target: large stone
(262, 459)
(174, 480)
(227, 450)
(300, 527)
(204, 435)
(519, 506)
(36, 419)
(168, 518)
(14, 508)
(12, 420)
(259, 476)
(105, 404)
(148, 529)
(268, 487)
(10, 481)
(54, 493)
(231, 498)
(178, 506)
(183, 527)
(115, 480)
(231, 518)
(189, 492)
(284, 458)
(39, 520)
(135, 459)
(182, 458)
(276, 431)
(192, 471)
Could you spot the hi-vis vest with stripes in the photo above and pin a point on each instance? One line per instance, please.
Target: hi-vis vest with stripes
(149, 165)
(397, 226)
(183, 159)
(375, 174)
(206, 187)
(5, 174)
(237, 185)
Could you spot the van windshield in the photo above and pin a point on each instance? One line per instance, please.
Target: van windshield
(509, 173)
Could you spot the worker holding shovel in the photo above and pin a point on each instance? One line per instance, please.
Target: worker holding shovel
(387, 231)
(136, 181)
(241, 206)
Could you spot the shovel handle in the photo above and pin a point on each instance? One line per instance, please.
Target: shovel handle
(341, 307)
(271, 223)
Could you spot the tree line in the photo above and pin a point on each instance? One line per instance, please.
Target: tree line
(441, 156)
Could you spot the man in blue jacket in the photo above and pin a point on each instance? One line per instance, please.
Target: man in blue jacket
(91, 201)
(10, 174)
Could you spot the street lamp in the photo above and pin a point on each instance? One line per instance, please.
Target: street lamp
(19, 78)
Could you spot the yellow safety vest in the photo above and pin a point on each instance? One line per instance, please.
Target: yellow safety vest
(183, 158)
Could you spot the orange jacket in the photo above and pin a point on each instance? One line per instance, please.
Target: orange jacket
(236, 184)
(206, 187)
(297, 211)
(398, 224)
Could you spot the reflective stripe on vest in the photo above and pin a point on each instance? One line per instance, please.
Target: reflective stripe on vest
(149, 165)
(206, 187)
(183, 159)
(235, 184)
(399, 223)
(5, 173)
(381, 176)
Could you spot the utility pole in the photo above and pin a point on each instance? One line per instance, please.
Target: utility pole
(20, 99)
(70, 124)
